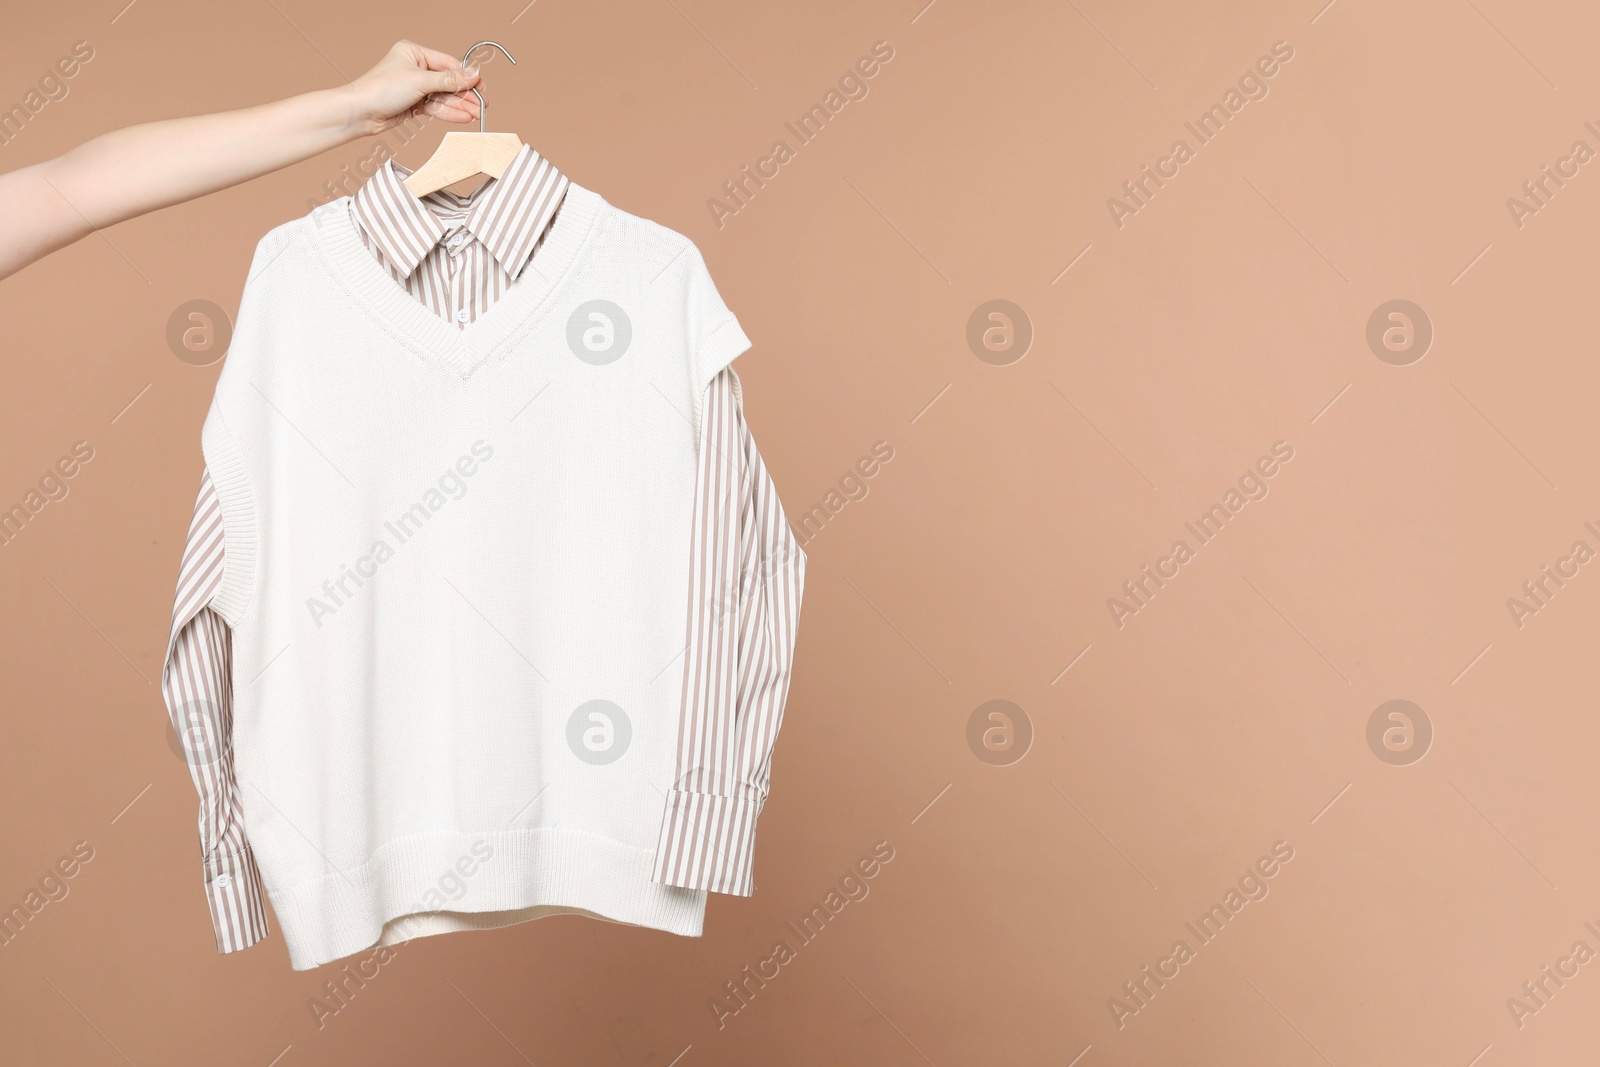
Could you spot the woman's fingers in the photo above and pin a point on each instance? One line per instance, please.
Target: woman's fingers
(452, 107)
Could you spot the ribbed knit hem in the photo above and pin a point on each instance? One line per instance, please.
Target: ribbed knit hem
(232, 483)
(233, 889)
(708, 842)
(455, 876)
(518, 309)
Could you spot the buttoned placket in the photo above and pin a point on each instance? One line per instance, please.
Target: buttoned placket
(455, 241)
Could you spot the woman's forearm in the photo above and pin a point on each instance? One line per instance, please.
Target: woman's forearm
(130, 171)
(127, 172)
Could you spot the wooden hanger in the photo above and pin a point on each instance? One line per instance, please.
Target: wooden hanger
(464, 155)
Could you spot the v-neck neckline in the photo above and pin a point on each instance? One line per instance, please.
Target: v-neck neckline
(463, 349)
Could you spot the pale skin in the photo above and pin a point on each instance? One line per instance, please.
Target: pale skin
(138, 169)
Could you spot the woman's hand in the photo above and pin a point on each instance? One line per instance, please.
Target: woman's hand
(413, 80)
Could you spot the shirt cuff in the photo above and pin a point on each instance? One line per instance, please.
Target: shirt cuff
(233, 889)
(708, 842)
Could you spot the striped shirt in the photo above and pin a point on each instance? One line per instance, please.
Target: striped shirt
(457, 255)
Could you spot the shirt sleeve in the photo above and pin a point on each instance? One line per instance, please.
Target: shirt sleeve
(197, 682)
(747, 573)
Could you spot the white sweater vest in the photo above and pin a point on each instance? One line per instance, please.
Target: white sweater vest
(457, 578)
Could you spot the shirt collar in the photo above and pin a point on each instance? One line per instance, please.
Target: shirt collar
(508, 215)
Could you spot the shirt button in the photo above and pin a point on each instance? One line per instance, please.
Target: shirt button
(463, 315)
(224, 881)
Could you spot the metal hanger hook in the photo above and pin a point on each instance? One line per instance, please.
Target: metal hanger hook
(482, 106)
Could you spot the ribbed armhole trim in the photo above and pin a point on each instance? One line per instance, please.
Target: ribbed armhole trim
(725, 344)
(232, 483)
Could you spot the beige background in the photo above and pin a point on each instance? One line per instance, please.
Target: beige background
(1231, 713)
